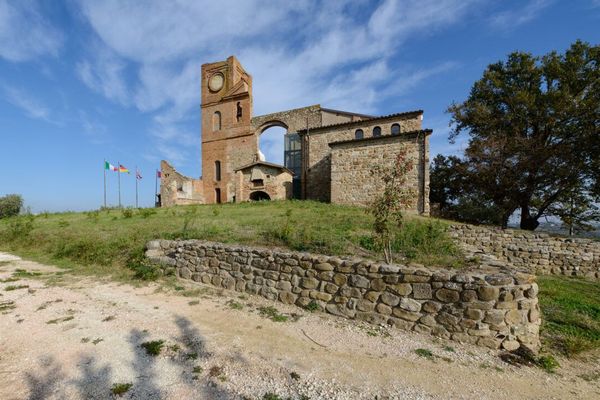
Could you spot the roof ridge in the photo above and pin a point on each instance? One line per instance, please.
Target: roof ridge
(364, 120)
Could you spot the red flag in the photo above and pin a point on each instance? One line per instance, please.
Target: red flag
(158, 174)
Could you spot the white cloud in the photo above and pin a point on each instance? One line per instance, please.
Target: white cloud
(32, 107)
(511, 19)
(339, 54)
(24, 33)
(105, 75)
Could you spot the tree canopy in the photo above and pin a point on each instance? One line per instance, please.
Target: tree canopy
(533, 125)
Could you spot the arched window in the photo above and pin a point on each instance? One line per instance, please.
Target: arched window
(395, 129)
(376, 131)
(217, 170)
(216, 121)
(359, 134)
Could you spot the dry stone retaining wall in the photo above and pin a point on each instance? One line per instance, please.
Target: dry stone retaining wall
(536, 253)
(492, 310)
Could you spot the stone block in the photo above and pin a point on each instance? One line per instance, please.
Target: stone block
(421, 291)
(447, 295)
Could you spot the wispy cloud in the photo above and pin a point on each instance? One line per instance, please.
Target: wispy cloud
(24, 33)
(511, 19)
(341, 54)
(32, 107)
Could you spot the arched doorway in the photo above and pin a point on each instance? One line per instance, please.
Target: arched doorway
(259, 196)
(271, 141)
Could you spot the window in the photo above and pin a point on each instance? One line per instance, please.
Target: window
(217, 170)
(376, 131)
(218, 196)
(359, 134)
(258, 183)
(238, 113)
(395, 129)
(216, 121)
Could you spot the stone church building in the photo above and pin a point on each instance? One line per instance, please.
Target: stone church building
(328, 153)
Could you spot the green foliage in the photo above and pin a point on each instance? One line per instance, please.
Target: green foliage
(571, 314)
(154, 347)
(10, 205)
(114, 246)
(424, 353)
(15, 287)
(93, 215)
(548, 363)
(20, 227)
(534, 136)
(147, 212)
(127, 212)
(387, 207)
(119, 389)
(312, 306)
(272, 313)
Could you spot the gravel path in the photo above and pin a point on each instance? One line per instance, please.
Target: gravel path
(68, 337)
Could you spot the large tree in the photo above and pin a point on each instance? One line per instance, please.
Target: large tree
(534, 133)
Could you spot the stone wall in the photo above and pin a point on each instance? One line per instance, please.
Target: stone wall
(176, 188)
(536, 253)
(352, 182)
(488, 309)
(318, 174)
(262, 177)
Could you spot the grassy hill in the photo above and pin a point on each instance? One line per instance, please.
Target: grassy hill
(107, 241)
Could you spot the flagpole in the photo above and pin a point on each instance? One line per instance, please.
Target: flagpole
(136, 187)
(155, 187)
(119, 172)
(104, 168)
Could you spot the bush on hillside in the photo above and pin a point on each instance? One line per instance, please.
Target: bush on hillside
(10, 205)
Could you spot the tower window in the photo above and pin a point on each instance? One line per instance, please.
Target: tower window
(216, 121)
(238, 113)
(395, 129)
(376, 131)
(217, 170)
(359, 134)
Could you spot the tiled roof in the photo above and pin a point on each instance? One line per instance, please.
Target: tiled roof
(350, 123)
(371, 138)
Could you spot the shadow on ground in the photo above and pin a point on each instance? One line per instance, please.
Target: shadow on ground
(95, 381)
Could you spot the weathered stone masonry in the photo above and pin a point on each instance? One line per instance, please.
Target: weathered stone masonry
(535, 253)
(492, 310)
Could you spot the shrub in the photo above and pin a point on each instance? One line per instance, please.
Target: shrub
(119, 389)
(154, 347)
(147, 212)
(127, 213)
(10, 205)
(20, 227)
(143, 269)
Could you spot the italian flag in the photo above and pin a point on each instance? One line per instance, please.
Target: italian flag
(108, 166)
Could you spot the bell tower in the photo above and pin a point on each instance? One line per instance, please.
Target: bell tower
(228, 140)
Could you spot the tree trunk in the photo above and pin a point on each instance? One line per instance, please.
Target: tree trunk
(528, 222)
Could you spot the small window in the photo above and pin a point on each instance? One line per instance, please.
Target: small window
(258, 183)
(216, 121)
(217, 170)
(395, 129)
(359, 134)
(376, 131)
(238, 113)
(218, 196)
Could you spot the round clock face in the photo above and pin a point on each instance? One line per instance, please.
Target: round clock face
(215, 83)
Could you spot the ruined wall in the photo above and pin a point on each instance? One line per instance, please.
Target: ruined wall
(277, 183)
(318, 175)
(294, 120)
(352, 182)
(176, 188)
(536, 253)
(492, 310)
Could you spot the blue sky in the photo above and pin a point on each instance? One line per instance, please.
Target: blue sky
(81, 81)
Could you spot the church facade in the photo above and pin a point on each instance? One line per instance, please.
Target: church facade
(329, 154)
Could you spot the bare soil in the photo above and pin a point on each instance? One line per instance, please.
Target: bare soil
(73, 337)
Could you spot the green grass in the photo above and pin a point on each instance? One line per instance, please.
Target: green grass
(107, 242)
(424, 353)
(119, 389)
(15, 287)
(571, 314)
(154, 347)
(272, 313)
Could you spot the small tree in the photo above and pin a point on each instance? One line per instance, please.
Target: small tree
(387, 207)
(10, 205)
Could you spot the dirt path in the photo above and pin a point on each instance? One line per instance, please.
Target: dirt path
(67, 337)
